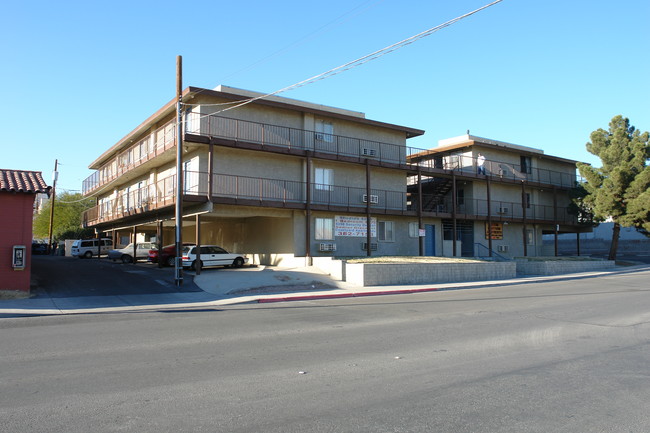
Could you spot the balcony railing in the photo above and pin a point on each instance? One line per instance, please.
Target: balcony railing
(244, 189)
(499, 210)
(277, 192)
(301, 139)
(163, 139)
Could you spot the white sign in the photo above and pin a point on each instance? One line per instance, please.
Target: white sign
(352, 226)
(422, 233)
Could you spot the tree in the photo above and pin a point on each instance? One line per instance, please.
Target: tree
(68, 209)
(618, 189)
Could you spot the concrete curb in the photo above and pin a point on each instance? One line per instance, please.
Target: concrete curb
(344, 295)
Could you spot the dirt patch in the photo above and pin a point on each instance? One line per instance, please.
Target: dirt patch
(313, 286)
(413, 259)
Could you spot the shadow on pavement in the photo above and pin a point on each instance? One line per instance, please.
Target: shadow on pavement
(68, 277)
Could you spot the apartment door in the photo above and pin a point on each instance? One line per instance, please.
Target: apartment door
(430, 240)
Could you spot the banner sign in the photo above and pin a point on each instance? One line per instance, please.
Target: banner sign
(353, 226)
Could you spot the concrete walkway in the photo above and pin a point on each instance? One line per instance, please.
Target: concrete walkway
(223, 287)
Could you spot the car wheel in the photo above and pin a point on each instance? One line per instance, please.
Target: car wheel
(88, 255)
(238, 263)
(127, 259)
(194, 265)
(171, 261)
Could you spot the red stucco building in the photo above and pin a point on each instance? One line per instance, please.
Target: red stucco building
(18, 188)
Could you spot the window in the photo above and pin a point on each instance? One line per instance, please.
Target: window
(324, 131)
(385, 231)
(324, 229)
(526, 164)
(323, 179)
(527, 195)
(414, 230)
(460, 197)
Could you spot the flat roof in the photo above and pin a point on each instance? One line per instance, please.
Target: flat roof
(463, 141)
(235, 94)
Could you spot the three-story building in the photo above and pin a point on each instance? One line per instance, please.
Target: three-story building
(284, 180)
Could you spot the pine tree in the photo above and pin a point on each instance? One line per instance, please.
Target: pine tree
(618, 189)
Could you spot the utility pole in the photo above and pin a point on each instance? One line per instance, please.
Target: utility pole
(55, 175)
(178, 266)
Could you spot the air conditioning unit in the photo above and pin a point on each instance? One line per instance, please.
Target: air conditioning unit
(504, 210)
(502, 248)
(374, 199)
(327, 246)
(368, 152)
(373, 246)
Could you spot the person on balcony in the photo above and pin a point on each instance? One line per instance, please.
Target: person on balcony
(480, 164)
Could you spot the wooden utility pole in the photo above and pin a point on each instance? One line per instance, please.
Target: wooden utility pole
(55, 175)
(178, 266)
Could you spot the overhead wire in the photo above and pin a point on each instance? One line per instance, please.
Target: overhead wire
(290, 46)
(360, 61)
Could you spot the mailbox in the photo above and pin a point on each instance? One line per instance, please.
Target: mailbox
(18, 257)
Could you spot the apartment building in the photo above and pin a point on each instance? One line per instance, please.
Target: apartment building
(285, 181)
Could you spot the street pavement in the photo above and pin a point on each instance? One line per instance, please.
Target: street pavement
(560, 356)
(65, 285)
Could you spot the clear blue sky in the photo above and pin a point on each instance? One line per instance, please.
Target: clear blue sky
(78, 76)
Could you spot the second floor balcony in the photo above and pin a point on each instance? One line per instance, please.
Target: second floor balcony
(278, 193)
(285, 139)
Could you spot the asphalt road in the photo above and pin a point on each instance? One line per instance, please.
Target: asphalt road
(65, 277)
(568, 356)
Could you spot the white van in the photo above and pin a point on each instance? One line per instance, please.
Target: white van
(88, 248)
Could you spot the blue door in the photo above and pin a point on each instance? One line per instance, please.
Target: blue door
(430, 240)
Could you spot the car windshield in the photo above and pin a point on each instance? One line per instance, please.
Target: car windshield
(187, 249)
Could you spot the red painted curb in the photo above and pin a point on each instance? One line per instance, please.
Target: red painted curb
(344, 295)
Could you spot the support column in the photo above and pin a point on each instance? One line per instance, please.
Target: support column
(420, 225)
(489, 214)
(159, 238)
(368, 214)
(308, 210)
(135, 244)
(210, 171)
(453, 212)
(199, 264)
(523, 207)
(555, 224)
(578, 242)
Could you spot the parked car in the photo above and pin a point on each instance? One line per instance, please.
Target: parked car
(212, 255)
(167, 254)
(39, 248)
(126, 254)
(87, 248)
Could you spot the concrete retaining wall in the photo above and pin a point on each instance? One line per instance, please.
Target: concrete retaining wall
(558, 267)
(385, 274)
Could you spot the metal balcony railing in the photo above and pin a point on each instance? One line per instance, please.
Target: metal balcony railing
(499, 210)
(265, 191)
(291, 138)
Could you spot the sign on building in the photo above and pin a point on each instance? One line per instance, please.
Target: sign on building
(353, 226)
(497, 231)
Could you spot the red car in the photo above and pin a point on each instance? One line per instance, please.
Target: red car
(167, 254)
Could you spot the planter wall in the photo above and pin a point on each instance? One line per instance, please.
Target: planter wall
(384, 274)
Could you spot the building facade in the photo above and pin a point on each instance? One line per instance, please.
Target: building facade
(18, 188)
(285, 181)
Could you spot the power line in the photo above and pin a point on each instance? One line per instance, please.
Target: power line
(360, 61)
(308, 36)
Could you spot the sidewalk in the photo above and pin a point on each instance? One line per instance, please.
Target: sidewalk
(263, 285)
